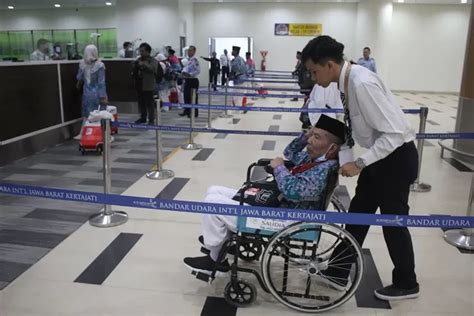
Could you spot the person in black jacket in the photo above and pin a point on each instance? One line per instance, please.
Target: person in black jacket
(146, 72)
(214, 70)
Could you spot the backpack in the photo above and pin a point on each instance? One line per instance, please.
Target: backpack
(304, 79)
(159, 73)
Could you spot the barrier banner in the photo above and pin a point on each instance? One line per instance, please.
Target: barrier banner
(443, 221)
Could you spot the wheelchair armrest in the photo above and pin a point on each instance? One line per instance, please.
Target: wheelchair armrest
(288, 165)
(263, 162)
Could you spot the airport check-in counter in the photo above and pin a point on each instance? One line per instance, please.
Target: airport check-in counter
(40, 105)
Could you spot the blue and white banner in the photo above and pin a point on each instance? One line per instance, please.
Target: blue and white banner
(200, 130)
(274, 71)
(263, 108)
(253, 95)
(445, 136)
(250, 108)
(443, 221)
(270, 81)
(231, 131)
(222, 89)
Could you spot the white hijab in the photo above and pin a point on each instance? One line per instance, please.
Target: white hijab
(91, 63)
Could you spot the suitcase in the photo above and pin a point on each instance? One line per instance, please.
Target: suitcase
(173, 97)
(91, 138)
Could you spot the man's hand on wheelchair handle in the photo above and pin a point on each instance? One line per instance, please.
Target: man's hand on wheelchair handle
(349, 170)
(277, 162)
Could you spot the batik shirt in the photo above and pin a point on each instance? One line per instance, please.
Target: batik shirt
(308, 184)
(192, 68)
(238, 69)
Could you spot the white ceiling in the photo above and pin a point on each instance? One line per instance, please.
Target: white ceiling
(44, 4)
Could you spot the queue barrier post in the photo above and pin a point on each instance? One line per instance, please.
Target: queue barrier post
(157, 172)
(209, 119)
(463, 238)
(191, 145)
(418, 186)
(226, 114)
(107, 218)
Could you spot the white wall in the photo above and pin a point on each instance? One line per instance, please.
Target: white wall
(21, 20)
(154, 21)
(427, 47)
(257, 20)
(417, 47)
(374, 20)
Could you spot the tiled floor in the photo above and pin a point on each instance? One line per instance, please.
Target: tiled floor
(148, 278)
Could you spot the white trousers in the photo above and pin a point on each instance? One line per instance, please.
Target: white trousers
(218, 228)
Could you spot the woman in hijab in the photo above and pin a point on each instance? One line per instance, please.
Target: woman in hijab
(91, 80)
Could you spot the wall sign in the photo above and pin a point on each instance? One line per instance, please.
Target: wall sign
(298, 29)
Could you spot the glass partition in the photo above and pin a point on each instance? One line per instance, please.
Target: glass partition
(4, 46)
(20, 44)
(107, 43)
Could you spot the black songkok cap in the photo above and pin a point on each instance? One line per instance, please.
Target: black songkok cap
(236, 48)
(333, 126)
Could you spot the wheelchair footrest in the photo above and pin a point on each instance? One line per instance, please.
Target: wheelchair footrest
(203, 276)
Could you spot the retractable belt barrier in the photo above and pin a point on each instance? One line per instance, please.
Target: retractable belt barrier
(264, 109)
(231, 131)
(443, 221)
(253, 95)
(273, 71)
(262, 88)
(270, 81)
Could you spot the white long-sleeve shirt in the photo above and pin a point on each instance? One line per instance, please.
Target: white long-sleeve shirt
(378, 122)
(322, 98)
(225, 61)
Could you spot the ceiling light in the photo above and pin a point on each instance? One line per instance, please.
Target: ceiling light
(108, 3)
(11, 7)
(463, 1)
(57, 5)
(401, 1)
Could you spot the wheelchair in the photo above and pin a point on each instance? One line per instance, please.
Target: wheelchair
(293, 256)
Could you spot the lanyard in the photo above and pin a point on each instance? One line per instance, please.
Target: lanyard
(346, 83)
(305, 166)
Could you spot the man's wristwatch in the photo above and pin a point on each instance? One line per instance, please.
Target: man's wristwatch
(360, 163)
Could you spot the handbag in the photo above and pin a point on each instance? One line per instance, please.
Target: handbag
(265, 193)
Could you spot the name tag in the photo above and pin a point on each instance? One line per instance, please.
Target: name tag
(267, 224)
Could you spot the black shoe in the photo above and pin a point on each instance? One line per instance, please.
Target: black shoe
(390, 293)
(140, 121)
(294, 99)
(206, 265)
(151, 122)
(183, 114)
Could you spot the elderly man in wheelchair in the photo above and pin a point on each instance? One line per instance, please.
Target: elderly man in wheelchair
(296, 254)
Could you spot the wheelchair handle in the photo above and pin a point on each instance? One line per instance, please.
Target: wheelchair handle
(263, 162)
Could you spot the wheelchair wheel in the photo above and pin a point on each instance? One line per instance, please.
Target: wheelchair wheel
(250, 249)
(296, 259)
(240, 293)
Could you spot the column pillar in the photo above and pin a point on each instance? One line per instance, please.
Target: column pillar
(465, 116)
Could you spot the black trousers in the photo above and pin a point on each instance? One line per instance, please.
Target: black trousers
(213, 78)
(225, 74)
(189, 84)
(385, 184)
(146, 105)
